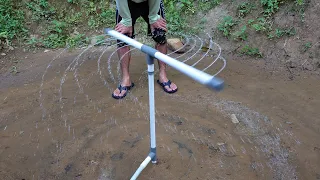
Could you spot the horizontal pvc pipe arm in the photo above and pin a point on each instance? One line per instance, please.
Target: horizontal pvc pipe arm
(197, 75)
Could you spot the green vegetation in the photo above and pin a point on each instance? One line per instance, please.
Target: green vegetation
(11, 22)
(245, 8)
(251, 51)
(178, 12)
(261, 25)
(69, 23)
(288, 32)
(306, 46)
(270, 7)
(41, 10)
(227, 25)
(241, 34)
(261, 22)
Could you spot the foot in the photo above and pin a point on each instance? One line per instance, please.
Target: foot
(167, 85)
(122, 90)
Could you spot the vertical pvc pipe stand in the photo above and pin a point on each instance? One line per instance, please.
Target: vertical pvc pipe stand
(152, 155)
(195, 74)
(153, 146)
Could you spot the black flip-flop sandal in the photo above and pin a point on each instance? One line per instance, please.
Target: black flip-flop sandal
(166, 84)
(123, 88)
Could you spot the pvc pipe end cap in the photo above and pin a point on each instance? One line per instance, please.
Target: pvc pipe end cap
(216, 84)
(106, 30)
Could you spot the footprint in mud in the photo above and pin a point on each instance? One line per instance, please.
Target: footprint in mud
(209, 131)
(176, 119)
(183, 146)
(246, 130)
(132, 142)
(117, 156)
(68, 168)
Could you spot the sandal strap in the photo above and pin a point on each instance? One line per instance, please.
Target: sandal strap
(125, 88)
(122, 88)
(168, 83)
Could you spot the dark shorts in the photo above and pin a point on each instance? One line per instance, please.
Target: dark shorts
(142, 10)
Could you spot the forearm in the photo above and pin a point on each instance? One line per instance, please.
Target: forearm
(154, 7)
(124, 12)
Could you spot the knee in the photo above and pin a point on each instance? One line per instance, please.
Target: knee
(159, 36)
(121, 44)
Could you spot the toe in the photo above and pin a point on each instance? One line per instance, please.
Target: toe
(173, 87)
(122, 93)
(116, 92)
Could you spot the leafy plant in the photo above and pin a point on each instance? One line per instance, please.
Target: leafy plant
(11, 21)
(226, 25)
(261, 25)
(76, 40)
(41, 10)
(270, 7)
(245, 8)
(241, 34)
(178, 11)
(54, 41)
(206, 5)
(74, 18)
(14, 70)
(251, 51)
(300, 2)
(73, 1)
(288, 32)
(34, 42)
(306, 46)
(56, 35)
(250, 21)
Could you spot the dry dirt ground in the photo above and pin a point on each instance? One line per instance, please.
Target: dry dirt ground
(59, 121)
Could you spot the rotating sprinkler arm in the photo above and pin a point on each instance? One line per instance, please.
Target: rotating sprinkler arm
(197, 75)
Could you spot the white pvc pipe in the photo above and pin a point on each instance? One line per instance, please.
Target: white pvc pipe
(152, 106)
(124, 38)
(141, 167)
(195, 74)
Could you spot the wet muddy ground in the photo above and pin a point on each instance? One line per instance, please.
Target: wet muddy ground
(59, 121)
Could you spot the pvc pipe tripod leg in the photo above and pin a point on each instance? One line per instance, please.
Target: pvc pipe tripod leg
(142, 166)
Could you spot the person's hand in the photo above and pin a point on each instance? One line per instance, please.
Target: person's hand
(159, 24)
(127, 30)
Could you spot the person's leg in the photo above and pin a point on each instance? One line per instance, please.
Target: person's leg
(159, 37)
(125, 62)
(162, 68)
(124, 56)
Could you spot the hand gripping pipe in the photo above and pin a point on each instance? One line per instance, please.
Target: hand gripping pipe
(151, 53)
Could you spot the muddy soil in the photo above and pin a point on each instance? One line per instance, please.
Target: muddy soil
(59, 121)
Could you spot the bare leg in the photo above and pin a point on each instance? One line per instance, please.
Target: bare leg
(162, 68)
(125, 62)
